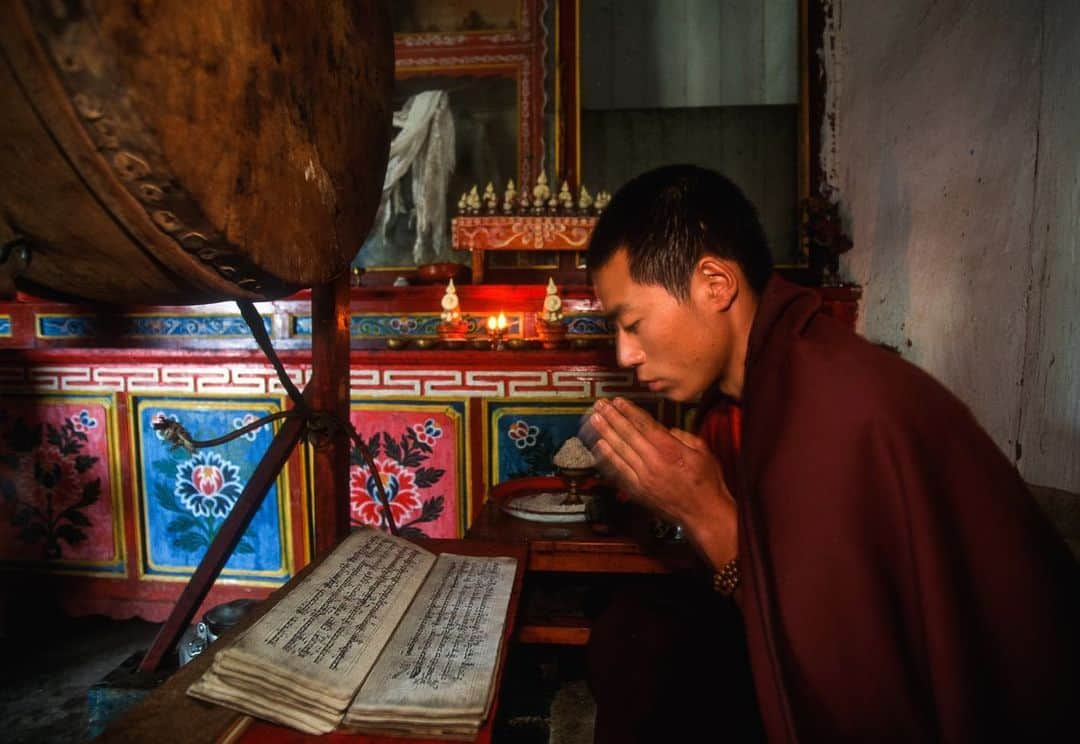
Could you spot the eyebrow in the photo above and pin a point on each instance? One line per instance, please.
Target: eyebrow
(616, 311)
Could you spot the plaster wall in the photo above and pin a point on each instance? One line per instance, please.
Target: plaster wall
(951, 139)
(1049, 429)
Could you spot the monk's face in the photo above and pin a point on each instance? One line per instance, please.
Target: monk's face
(675, 347)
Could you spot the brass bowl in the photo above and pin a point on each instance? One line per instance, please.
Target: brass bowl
(576, 474)
(425, 343)
(440, 273)
(573, 478)
(517, 344)
(582, 343)
(480, 344)
(397, 342)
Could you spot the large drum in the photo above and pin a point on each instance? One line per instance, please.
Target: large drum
(184, 151)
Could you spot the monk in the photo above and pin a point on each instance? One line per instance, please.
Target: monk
(892, 577)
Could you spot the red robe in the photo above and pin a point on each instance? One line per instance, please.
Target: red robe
(898, 581)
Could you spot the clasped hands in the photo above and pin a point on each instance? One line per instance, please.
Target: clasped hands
(669, 471)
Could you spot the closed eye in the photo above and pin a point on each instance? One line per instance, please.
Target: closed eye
(632, 328)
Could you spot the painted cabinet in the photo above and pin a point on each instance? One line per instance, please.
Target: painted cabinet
(99, 514)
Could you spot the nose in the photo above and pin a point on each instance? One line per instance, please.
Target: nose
(628, 352)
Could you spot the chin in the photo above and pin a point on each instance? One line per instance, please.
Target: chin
(684, 394)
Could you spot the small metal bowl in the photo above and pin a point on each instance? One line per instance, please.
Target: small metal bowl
(517, 344)
(582, 343)
(480, 344)
(425, 343)
(396, 342)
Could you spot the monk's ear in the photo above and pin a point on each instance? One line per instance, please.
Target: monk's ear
(718, 281)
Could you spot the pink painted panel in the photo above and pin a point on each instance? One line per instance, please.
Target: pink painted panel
(417, 449)
(56, 487)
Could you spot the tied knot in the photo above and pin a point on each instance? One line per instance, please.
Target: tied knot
(322, 428)
(173, 432)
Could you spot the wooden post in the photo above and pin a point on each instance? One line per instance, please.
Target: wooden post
(567, 94)
(330, 318)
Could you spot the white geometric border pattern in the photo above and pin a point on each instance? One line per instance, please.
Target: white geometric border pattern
(363, 382)
(143, 378)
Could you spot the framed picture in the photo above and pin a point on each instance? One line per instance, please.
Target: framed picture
(471, 107)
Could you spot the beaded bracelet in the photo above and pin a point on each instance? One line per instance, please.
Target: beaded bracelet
(726, 580)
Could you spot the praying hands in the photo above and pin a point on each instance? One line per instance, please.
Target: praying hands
(671, 472)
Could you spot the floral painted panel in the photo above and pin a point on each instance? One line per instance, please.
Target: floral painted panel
(57, 482)
(523, 438)
(418, 449)
(185, 497)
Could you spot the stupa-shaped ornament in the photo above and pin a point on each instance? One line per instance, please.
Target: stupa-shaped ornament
(549, 325)
(510, 197)
(491, 201)
(453, 328)
(566, 199)
(585, 200)
(541, 192)
(472, 201)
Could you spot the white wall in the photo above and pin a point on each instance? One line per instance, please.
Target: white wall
(955, 149)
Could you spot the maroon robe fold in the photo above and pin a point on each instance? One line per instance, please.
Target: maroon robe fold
(899, 582)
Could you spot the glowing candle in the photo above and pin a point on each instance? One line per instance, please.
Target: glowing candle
(502, 322)
(491, 322)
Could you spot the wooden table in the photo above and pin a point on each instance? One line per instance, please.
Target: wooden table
(168, 714)
(628, 546)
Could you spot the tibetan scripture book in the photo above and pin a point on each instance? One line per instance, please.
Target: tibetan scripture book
(382, 637)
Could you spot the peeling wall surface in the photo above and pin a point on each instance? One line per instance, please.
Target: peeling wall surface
(952, 138)
(1050, 400)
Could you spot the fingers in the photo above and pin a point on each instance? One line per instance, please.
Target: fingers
(639, 417)
(615, 468)
(622, 421)
(690, 440)
(622, 437)
(586, 431)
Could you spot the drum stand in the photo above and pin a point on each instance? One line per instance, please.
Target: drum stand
(328, 392)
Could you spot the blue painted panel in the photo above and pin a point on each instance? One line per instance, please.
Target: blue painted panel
(186, 497)
(66, 326)
(589, 325)
(381, 326)
(188, 326)
(524, 438)
(5, 325)
(373, 325)
(301, 325)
